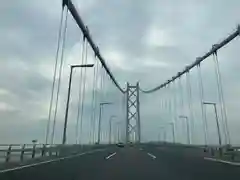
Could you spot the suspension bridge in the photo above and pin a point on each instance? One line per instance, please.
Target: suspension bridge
(115, 145)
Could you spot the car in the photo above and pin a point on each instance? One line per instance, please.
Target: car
(131, 144)
(120, 144)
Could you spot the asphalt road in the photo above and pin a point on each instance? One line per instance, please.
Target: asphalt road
(129, 163)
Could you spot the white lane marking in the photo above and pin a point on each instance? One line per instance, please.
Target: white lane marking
(111, 155)
(140, 149)
(50, 161)
(151, 155)
(222, 161)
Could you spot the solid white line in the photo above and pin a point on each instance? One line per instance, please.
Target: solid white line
(49, 161)
(111, 155)
(152, 156)
(222, 161)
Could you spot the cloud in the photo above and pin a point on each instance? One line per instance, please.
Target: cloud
(5, 107)
(158, 37)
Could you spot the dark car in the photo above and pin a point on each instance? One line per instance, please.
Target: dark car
(120, 144)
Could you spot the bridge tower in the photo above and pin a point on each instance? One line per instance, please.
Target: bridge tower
(133, 125)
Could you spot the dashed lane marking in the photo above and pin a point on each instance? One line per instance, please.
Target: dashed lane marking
(111, 155)
(151, 155)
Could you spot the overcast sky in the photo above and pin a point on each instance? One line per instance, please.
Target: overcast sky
(146, 41)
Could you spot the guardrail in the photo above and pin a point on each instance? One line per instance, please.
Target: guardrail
(224, 152)
(17, 153)
(21, 152)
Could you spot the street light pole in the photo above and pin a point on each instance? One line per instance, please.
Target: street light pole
(110, 127)
(100, 119)
(217, 121)
(188, 128)
(68, 98)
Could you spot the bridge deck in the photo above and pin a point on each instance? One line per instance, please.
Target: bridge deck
(146, 162)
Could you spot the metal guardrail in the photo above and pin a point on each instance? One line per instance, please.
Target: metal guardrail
(18, 153)
(21, 152)
(224, 152)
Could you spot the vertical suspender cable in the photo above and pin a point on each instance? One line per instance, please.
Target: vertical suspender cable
(191, 118)
(182, 108)
(169, 102)
(175, 106)
(101, 97)
(221, 99)
(96, 102)
(161, 104)
(165, 102)
(181, 94)
(80, 91)
(122, 114)
(178, 106)
(83, 93)
(92, 105)
(203, 109)
(103, 89)
(104, 84)
(101, 85)
(171, 109)
(219, 95)
(54, 78)
(60, 76)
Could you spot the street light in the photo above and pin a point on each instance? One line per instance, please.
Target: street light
(217, 121)
(100, 118)
(188, 129)
(68, 97)
(110, 127)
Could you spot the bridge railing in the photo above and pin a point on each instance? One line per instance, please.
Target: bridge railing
(17, 153)
(225, 152)
(21, 152)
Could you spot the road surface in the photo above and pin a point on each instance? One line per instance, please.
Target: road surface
(129, 163)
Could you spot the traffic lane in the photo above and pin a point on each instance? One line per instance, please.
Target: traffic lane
(131, 163)
(67, 169)
(193, 166)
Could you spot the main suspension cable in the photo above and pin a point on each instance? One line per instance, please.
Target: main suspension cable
(87, 35)
(197, 61)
